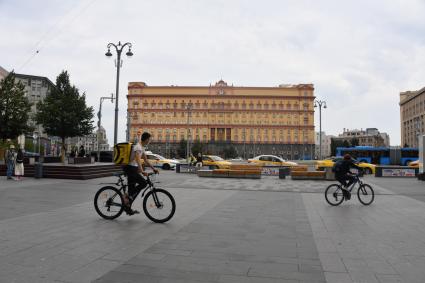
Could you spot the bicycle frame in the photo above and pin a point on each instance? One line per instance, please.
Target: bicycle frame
(123, 187)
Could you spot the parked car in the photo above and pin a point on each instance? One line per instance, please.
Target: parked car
(215, 161)
(271, 160)
(367, 167)
(157, 160)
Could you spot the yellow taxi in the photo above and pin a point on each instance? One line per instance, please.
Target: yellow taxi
(270, 160)
(215, 161)
(367, 167)
(157, 160)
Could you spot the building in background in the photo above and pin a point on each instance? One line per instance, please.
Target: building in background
(36, 89)
(368, 137)
(254, 120)
(412, 117)
(3, 73)
(90, 142)
(326, 145)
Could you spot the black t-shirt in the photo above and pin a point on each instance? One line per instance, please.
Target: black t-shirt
(199, 159)
(344, 166)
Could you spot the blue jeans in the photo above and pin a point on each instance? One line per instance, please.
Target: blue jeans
(10, 167)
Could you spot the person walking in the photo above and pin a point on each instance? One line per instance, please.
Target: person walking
(82, 152)
(199, 161)
(10, 161)
(19, 165)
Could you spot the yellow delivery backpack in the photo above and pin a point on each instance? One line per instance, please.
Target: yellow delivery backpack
(123, 153)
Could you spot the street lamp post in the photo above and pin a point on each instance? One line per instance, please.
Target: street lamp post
(320, 103)
(188, 108)
(119, 48)
(99, 123)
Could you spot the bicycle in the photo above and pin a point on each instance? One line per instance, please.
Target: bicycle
(158, 204)
(335, 196)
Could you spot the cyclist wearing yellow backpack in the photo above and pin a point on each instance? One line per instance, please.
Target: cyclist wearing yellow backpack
(133, 170)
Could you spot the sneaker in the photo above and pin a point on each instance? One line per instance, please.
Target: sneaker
(132, 212)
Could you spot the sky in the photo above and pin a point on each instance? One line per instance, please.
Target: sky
(358, 54)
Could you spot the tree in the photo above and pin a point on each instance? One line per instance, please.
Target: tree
(345, 143)
(181, 151)
(230, 152)
(14, 108)
(355, 142)
(334, 144)
(64, 112)
(197, 147)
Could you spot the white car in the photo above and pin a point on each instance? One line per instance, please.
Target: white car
(271, 160)
(159, 161)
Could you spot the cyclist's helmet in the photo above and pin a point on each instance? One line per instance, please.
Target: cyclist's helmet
(347, 157)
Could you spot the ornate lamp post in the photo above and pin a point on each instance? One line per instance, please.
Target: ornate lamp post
(118, 48)
(320, 103)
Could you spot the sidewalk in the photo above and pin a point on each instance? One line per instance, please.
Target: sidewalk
(266, 230)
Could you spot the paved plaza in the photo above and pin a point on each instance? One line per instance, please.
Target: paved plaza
(224, 230)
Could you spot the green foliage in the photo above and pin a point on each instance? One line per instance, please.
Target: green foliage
(64, 112)
(14, 108)
(345, 143)
(181, 151)
(334, 144)
(355, 142)
(196, 147)
(230, 152)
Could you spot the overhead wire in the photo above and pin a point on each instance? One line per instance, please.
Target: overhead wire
(44, 40)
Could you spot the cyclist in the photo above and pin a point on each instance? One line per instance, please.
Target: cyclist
(133, 170)
(343, 173)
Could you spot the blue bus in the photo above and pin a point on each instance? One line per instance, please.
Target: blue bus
(380, 155)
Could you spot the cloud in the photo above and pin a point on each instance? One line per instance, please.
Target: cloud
(359, 54)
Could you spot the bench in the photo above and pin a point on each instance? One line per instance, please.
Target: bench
(234, 171)
(302, 168)
(308, 175)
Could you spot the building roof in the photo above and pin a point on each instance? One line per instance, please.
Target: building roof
(409, 95)
(223, 84)
(23, 76)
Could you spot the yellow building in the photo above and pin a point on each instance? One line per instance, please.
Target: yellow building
(255, 120)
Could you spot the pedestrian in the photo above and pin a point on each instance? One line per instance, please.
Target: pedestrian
(199, 161)
(10, 161)
(19, 165)
(192, 160)
(73, 152)
(82, 152)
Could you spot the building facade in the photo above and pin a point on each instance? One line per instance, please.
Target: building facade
(368, 137)
(3, 73)
(91, 142)
(254, 120)
(36, 89)
(412, 117)
(326, 145)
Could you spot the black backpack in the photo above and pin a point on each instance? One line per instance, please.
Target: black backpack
(337, 166)
(20, 157)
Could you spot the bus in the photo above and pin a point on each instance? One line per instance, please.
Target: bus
(380, 155)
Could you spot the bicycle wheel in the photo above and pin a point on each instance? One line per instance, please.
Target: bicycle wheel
(334, 195)
(108, 202)
(159, 205)
(365, 194)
